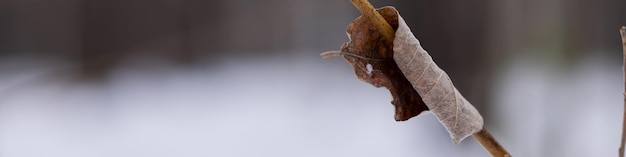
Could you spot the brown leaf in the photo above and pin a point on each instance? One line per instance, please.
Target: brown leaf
(458, 116)
(372, 59)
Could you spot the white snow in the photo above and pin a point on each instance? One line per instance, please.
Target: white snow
(283, 106)
(288, 106)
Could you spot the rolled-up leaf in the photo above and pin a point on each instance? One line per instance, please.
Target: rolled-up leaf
(458, 116)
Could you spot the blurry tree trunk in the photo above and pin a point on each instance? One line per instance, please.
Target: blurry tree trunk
(116, 30)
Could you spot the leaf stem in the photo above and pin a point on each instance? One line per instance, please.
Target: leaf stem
(621, 147)
(375, 18)
(490, 144)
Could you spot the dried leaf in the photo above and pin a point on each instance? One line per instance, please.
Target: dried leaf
(458, 116)
(405, 68)
(371, 58)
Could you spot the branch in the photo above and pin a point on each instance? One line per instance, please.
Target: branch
(490, 144)
(621, 147)
(375, 18)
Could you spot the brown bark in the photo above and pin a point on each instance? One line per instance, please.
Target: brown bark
(490, 144)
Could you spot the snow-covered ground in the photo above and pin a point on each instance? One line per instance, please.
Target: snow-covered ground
(575, 110)
(299, 105)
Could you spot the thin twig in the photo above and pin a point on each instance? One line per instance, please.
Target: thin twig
(377, 20)
(329, 54)
(621, 147)
(490, 144)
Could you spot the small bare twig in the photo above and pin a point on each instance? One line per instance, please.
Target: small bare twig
(621, 147)
(490, 144)
(375, 18)
(329, 54)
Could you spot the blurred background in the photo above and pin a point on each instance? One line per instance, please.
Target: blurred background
(244, 78)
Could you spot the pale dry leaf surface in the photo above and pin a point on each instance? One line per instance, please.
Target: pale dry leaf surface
(457, 115)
